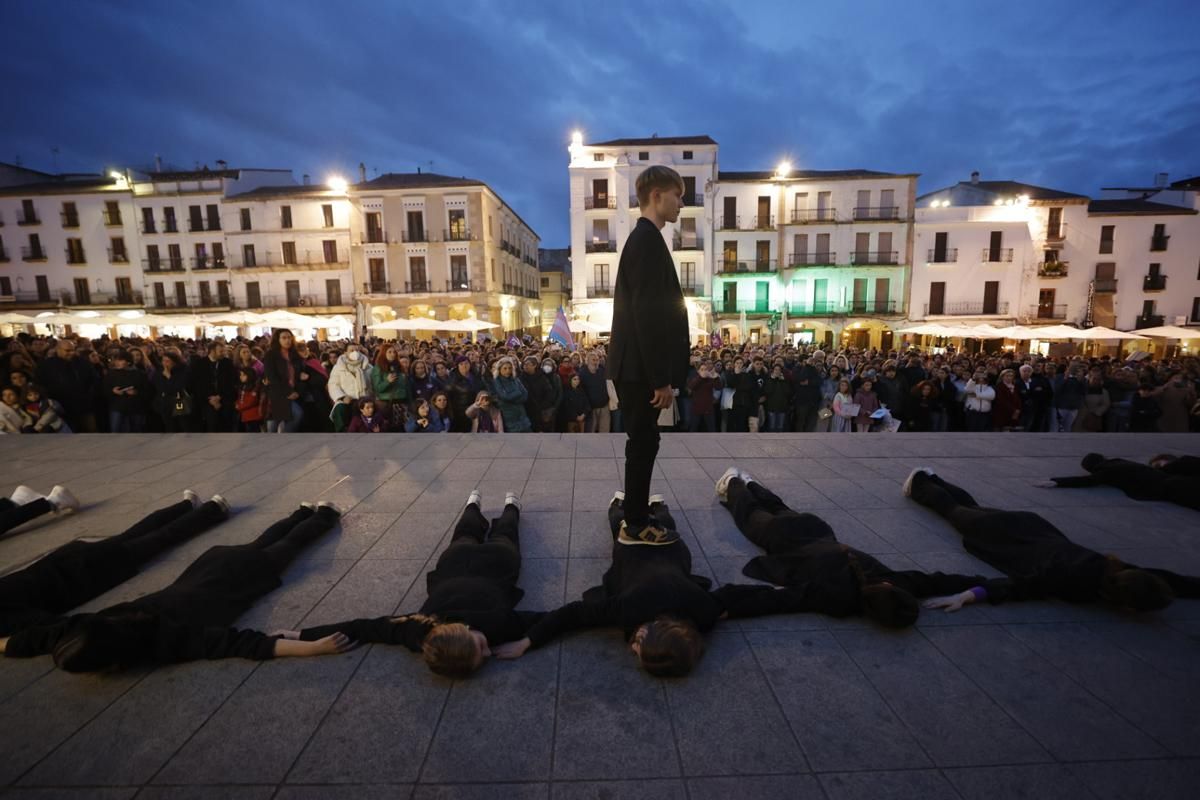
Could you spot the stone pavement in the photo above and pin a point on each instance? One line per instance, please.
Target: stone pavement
(1037, 700)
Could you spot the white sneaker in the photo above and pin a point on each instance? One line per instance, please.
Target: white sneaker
(723, 482)
(907, 488)
(745, 476)
(475, 497)
(191, 497)
(310, 506)
(657, 498)
(330, 505)
(617, 498)
(222, 502)
(511, 499)
(62, 499)
(23, 495)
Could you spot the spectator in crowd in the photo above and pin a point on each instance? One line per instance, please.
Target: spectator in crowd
(484, 416)
(978, 404)
(1177, 399)
(349, 380)
(126, 387)
(390, 383)
(1007, 406)
(510, 395)
(45, 415)
(544, 391)
(13, 417)
(594, 380)
(173, 403)
(1095, 405)
(806, 394)
(868, 403)
(465, 386)
(250, 401)
(72, 382)
(213, 386)
(369, 419)
(1144, 410)
(925, 408)
(778, 393)
(1068, 398)
(844, 408)
(422, 383)
(892, 390)
(283, 375)
(705, 387)
(576, 405)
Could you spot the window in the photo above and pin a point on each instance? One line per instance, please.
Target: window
(887, 202)
(378, 274)
(175, 256)
(289, 252)
(35, 248)
(75, 251)
(457, 219)
(160, 294)
(248, 259)
(253, 295)
(937, 298)
(493, 270)
(940, 240)
(1194, 318)
(112, 212)
(996, 240)
(1106, 238)
(687, 155)
(124, 290)
(245, 213)
(181, 299)
(201, 258)
(43, 288)
(83, 295)
(545, 283)
(327, 213)
(1147, 308)
(416, 226)
(205, 294)
(218, 250)
(148, 220)
(1158, 241)
(213, 212)
(375, 227)
(196, 219)
(643, 155)
(600, 276)
(169, 224)
(330, 248)
(117, 252)
(416, 271)
(687, 274)
(292, 289)
(223, 293)
(285, 216)
(459, 277)
(152, 258)
(333, 292)
(5, 287)
(991, 297)
(597, 156)
(70, 215)
(28, 214)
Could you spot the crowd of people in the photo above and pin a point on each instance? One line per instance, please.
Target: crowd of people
(279, 383)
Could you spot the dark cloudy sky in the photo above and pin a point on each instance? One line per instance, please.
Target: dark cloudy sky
(1073, 95)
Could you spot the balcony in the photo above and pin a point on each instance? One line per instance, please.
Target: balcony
(460, 284)
(1158, 243)
(690, 289)
(294, 301)
(763, 223)
(103, 299)
(416, 287)
(69, 220)
(275, 261)
(412, 236)
(591, 202)
(457, 235)
(1154, 283)
(877, 213)
(693, 200)
(806, 216)
(1056, 235)
(759, 266)
(209, 262)
(377, 287)
(3, 255)
(1052, 269)
(822, 309)
(112, 219)
(812, 260)
(148, 227)
(1047, 311)
(1104, 285)
(725, 305)
(1148, 321)
(871, 307)
(28, 299)
(75, 256)
(599, 291)
(692, 242)
(118, 256)
(170, 226)
(949, 256)
(196, 225)
(729, 223)
(966, 309)
(875, 258)
(161, 264)
(375, 236)
(600, 247)
(28, 219)
(996, 255)
(33, 254)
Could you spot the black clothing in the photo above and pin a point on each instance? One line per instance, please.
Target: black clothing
(803, 553)
(645, 582)
(73, 383)
(475, 583)
(190, 619)
(462, 393)
(1143, 414)
(1140, 481)
(166, 391)
(128, 378)
(649, 342)
(1042, 561)
(544, 391)
(279, 386)
(641, 448)
(12, 515)
(80, 571)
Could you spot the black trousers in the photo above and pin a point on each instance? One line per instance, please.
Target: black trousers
(472, 528)
(641, 448)
(806, 417)
(12, 515)
(765, 519)
(284, 540)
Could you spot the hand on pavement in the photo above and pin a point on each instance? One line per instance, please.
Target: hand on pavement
(952, 603)
(511, 649)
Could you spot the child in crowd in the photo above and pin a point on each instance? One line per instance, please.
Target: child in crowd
(843, 408)
(13, 418)
(425, 420)
(46, 414)
(367, 420)
(484, 415)
(250, 401)
(868, 403)
(779, 399)
(575, 405)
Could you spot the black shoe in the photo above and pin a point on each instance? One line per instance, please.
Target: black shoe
(648, 533)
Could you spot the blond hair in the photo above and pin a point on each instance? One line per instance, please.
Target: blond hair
(657, 177)
(450, 650)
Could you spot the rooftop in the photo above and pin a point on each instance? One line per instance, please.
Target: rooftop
(291, 190)
(67, 184)
(655, 140)
(1026, 699)
(810, 174)
(554, 259)
(415, 180)
(1011, 188)
(1135, 206)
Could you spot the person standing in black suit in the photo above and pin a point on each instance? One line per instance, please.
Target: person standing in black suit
(648, 353)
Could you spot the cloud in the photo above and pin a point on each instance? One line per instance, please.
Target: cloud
(1032, 91)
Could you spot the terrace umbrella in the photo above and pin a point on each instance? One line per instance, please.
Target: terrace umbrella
(1161, 332)
(1100, 332)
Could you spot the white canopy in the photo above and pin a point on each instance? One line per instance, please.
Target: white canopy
(583, 326)
(469, 325)
(233, 318)
(1167, 332)
(416, 324)
(693, 331)
(1100, 332)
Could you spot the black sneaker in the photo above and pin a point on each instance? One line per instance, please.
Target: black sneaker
(648, 533)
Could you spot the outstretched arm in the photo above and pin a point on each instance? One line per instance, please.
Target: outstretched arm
(1070, 482)
(749, 600)
(409, 630)
(572, 616)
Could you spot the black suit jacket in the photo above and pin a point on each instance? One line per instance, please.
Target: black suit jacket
(649, 328)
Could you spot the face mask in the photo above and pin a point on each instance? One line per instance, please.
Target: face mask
(354, 355)
(547, 369)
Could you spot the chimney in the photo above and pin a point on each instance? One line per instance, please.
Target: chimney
(975, 177)
(222, 163)
(362, 172)
(418, 170)
(157, 163)
(1160, 180)
(306, 179)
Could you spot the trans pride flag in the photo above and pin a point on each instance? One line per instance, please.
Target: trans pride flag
(561, 332)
